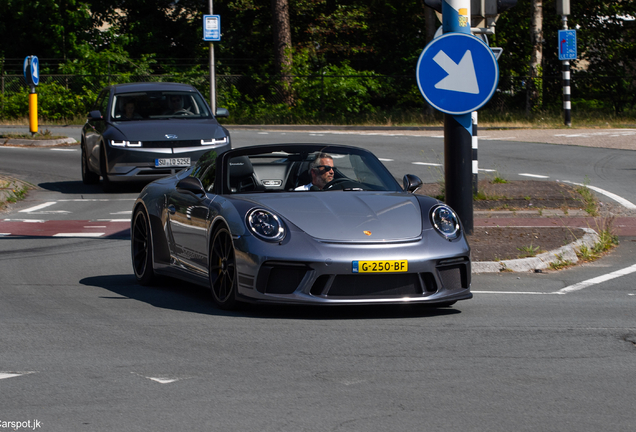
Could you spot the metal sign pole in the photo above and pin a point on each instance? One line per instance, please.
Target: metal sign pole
(458, 136)
(212, 71)
(565, 70)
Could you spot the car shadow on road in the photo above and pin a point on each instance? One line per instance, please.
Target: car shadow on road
(182, 296)
(78, 187)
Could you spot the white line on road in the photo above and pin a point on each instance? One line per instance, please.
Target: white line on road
(38, 207)
(426, 163)
(597, 280)
(534, 175)
(78, 234)
(620, 200)
(60, 149)
(572, 288)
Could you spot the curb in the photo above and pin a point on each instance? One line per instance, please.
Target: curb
(541, 261)
(38, 143)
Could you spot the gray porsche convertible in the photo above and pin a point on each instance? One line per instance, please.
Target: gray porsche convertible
(300, 224)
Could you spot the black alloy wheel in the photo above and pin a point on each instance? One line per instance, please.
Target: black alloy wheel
(223, 270)
(141, 248)
(88, 176)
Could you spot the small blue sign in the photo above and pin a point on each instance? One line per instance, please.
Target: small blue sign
(567, 44)
(212, 28)
(31, 70)
(457, 73)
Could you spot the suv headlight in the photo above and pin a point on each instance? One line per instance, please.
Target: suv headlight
(122, 143)
(265, 225)
(445, 221)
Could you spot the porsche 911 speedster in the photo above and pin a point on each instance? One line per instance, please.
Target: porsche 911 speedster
(255, 224)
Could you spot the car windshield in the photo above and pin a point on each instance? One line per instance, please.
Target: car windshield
(158, 105)
(316, 169)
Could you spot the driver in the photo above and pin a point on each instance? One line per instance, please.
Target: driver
(175, 103)
(321, 171)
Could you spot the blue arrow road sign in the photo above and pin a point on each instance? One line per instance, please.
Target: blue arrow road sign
(457, 73)
(31, 70)
(567, 44)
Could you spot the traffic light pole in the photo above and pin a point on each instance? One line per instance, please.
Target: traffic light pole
(458, 134)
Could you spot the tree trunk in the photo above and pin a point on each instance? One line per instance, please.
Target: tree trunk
(534, 98)
(283, 59)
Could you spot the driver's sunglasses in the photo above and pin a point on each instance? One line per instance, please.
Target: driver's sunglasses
(324, 168)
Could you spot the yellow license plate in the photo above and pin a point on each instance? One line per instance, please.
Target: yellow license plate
(389, 266)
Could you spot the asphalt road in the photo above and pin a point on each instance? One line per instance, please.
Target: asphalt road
(84, 348)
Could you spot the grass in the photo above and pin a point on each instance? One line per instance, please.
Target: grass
(590, 203)
(42, 135)
(529, 251)
(16, 192)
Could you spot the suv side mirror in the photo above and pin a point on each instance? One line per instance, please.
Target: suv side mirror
(222, 112)
(95, 115)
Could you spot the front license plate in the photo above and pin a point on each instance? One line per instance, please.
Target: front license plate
(390, 266)
(172, 162)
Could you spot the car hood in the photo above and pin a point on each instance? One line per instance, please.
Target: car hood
(157, 130)
(349, 216)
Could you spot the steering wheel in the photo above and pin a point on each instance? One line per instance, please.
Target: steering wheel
(335, 182)
(183, 111)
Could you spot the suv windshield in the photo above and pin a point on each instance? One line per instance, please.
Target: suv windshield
(158, 105)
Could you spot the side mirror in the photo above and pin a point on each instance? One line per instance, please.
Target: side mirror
(95, 115)
(411, 183)
(222, 112)
(191, 185)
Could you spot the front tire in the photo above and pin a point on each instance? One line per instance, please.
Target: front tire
(107, 185)
(223, 281)
(88, 176)
(141, 248)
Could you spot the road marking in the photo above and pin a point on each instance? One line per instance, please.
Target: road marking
(508, 292)
(615, 197)
(38, 207)
(65, 150)
(572, 288)
(487, 170)
(597, 280)
(534, 175)
(427, 164)
(385, 160)
(86, 234)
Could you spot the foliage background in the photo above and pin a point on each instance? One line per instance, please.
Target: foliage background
(354, 60)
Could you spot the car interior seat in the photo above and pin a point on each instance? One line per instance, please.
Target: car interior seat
(242, 176)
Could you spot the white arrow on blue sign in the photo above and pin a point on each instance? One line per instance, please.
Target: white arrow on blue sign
(31, 70)
(457, 73)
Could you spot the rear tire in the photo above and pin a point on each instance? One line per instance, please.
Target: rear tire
(141, 248)
(88, 176)
(222, 270)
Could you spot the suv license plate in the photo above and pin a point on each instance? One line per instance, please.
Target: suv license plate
(172, 162)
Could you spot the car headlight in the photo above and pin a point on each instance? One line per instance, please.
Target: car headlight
(445, 221)
(214, 141)
(121, 143)
(265, 225)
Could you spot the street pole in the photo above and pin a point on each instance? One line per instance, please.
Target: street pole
(458, 134)
(565, 71)
(212, 71)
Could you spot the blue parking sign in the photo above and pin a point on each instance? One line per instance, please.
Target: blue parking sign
(212, 28)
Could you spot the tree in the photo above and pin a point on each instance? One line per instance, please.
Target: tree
(283, 59)
(48, 28)
(534, 96)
